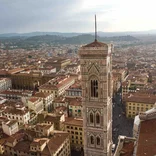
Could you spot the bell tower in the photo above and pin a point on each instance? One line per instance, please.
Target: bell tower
(96, 74)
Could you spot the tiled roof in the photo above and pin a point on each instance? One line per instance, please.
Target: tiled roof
(23, 146)
(74, 121)
(34, 99)
(56, 141)
(147, 99)
(147, 138)
(96, 44)
(42, 95)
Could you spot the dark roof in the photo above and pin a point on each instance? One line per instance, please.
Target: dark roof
(96, 44)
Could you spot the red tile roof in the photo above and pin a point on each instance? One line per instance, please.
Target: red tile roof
(96, 44)
(147, 138)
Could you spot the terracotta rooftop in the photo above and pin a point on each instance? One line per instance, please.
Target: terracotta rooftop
(146, 99)
(23, 146)
(128, 148)
(96, 44)
(147, 138)
(74, 121)
(56, 141)
(34, 99)
(42, 95)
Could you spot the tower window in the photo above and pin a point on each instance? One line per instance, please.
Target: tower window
(91, 118)
(98, 142)
(97, 118)
(92, 140)
(94, 88)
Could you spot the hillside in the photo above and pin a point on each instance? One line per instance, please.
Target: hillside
(36, 41)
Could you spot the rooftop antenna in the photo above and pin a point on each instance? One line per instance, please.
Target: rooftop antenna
(95, 29)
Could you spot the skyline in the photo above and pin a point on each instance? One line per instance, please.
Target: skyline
(76, 16)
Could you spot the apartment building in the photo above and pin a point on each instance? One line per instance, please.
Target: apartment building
(74, 126)
(24, 143)
(47, 100)
(58, 85)
(35, 104)
(5, 83)
(15, 111)
(137, 103)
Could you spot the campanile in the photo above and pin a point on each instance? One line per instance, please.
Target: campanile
(96, 74)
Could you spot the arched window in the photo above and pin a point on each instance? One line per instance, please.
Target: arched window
(92, 140)
(91, 118)
(94, 88)
(97, 118)
(98, 141)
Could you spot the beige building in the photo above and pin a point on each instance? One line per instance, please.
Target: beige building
(5, 83)
(96, 72)
(49, 118)
(10, 127)
(75, 107)
(137, 103)
(58, 63)
(17, 112)
(35, 104)
(25, 144)
(57, 86)
(74, 126)
(75, 90)
(47, 100)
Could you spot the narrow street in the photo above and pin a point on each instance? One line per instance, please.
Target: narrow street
(121, 125)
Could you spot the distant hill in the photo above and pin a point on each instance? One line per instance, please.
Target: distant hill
(100, 33)
(36, 41)
(80, 39)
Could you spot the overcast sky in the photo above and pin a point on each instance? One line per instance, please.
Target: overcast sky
(76, 15)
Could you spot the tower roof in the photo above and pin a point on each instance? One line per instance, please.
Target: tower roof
(96, 44)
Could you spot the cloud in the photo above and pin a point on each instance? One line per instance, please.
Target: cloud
(76, 15)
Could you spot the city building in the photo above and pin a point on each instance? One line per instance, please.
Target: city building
(74, 126)
(25, 143)
(29, 80)
(144, 132)
(137, 103)
(75, 107)
(10, 127)
(125, 146)
(74, 90)
(96, 72)
(58, 85)
(5, 83)
(47, 100)
(49, 118)
(47, 70)
(35, 104)
(15, 111)
(58, 63)
(60, 101)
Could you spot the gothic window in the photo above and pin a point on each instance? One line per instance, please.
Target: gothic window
(98, 141)
(94, 88)
(91, 139)
(97, 118)
(91, 118)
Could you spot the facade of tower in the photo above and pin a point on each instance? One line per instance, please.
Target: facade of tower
(96, 67)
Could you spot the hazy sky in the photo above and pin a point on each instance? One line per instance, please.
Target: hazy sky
(76, 15)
